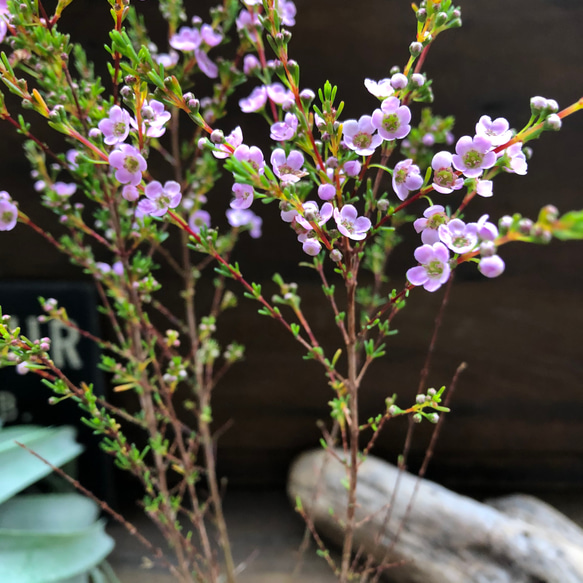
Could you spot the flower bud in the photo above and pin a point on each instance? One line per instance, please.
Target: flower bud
(537, 104)
(383, 205)
(504, 224)
(421, 15)
(418, 79)
(440, 19)
(417, 418)
(487, 248)
(433, 417)
(524, 226)
(553, 122)
(217, 137)
(551, 213)
(335, 255)
(420, 399)
(415, 49)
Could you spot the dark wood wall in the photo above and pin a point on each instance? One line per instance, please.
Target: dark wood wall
(517, 419)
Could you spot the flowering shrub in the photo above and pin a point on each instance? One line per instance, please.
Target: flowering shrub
(145, 152)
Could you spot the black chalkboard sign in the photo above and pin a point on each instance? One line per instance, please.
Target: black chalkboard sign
(24, 399)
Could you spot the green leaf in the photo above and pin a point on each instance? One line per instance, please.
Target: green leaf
(49, 538)
(569, 226)
(20, 468)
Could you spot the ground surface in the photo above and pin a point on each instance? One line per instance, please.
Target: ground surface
(266, 534)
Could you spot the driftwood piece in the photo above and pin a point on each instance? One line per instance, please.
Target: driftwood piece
(447, 538)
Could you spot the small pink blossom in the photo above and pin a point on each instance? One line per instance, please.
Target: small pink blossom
(381, 89)
(392, 119)
(210, 36)
(444, 178)
(234, 140)
(205, 64)
(484, 188)
(116, 127)
(198, 220)
(406, 178)
(243, 196)
(186, 39)
(428, 226)
(255, 101)
(434, 270)
(311, 214)
(516, 160)
(486, 231)
(154, 117)
(287, 11)
(458, 236)
(252, 155)
(278, 93)
(288, 168)
(160, 198)
(8, 212)
(64, 189)
(497, 131)
(129, 164)
(285, 130)
(350, 224)
(245, 218)
(250, 64)
(361, 135)
(473, 155)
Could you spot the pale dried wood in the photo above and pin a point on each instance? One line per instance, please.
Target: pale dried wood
(447, 538)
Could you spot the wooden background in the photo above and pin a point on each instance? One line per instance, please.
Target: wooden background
(517, 419)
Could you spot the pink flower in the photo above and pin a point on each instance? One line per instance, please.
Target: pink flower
(129, 164)
(199, 219)
(361, 135)
(256, 101)
(243, 196)
(444, 179)
(350, 224)
(498, 130)
(516, 160)
(473, 155)
(392, 119)
(252, 155)
(428, 226)
(155, 117)
(311, 214)
(245, 218)
(8, 212)
(458, 236)
(288, 168)
(285, 130)
(287, 11)
(186, 39)
(278, 93)
(116, 127)
(234, 140)
(205, 65)
(406, 177)
(381, 89)
(434, 270)
(160, 198)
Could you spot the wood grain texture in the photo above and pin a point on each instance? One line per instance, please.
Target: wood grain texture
(438, 535)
